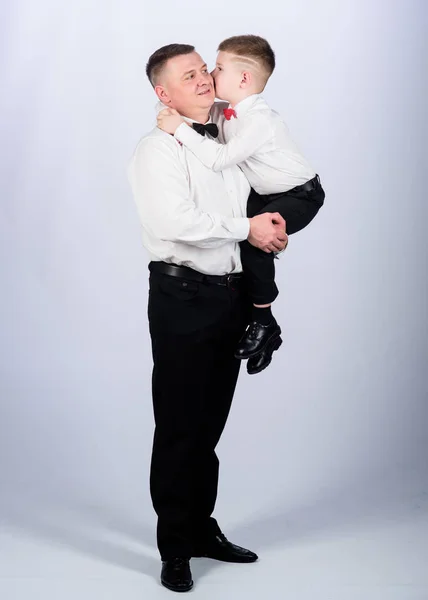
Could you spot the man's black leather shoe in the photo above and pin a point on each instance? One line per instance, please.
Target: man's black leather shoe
(220, 548)
(257, 363)
(256, 338)
(176, 574)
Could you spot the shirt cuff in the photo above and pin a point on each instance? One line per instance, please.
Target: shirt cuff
(188, 136)
(241, 228)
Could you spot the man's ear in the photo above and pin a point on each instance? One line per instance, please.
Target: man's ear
(162, 94)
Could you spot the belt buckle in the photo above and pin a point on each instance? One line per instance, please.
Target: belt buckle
(225, 280)
(229, 281)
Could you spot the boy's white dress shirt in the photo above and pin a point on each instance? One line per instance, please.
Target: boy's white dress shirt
(257, 140)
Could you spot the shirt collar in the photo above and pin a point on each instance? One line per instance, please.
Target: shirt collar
(192, 121)
(242, 107)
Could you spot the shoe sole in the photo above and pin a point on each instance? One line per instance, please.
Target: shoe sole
(236, 562)
(174, 589)
(269, 341)
(275, 346)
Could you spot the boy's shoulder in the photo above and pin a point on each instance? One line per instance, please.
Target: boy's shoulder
(265, 112)
(261, 105)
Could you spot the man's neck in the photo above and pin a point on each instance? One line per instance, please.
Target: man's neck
(201, 116)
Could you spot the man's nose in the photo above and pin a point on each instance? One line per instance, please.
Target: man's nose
(205, 79)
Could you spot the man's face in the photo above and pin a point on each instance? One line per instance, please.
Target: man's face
(227, 77)
(186, 84)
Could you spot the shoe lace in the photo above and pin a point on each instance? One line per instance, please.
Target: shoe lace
(252, 330)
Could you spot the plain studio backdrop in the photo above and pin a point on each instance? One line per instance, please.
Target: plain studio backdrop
(330, 442)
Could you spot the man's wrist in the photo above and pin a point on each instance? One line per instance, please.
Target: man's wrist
(245, 228)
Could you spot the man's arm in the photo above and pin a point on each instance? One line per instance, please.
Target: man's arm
(217, 157)
(161, 193)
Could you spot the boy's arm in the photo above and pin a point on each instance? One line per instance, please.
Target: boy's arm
(215, 156)
(161, 193)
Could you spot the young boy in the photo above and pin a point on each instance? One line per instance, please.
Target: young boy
(255, 138)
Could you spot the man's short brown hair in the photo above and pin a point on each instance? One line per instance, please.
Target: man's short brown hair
(253, 47)
(158, 59)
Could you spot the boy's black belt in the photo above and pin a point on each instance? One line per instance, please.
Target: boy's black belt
(308, 186)
(192, 275)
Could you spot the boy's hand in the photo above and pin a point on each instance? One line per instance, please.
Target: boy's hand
(169, 120)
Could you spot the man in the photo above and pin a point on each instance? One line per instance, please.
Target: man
(192, 222)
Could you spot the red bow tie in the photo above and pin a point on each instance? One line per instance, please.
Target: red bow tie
(229, 113)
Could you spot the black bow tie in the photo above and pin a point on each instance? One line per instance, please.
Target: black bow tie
(210, 128)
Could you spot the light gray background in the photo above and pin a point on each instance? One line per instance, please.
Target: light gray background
(324, 459)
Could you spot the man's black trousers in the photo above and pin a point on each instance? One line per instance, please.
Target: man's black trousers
(194, 329)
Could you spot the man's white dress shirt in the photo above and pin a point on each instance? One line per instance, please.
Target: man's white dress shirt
(190, 215)
(257, 140)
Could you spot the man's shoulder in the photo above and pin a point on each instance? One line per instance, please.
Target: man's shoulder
(155, 137)
(157, 152)
(216, 111)
(157, 141)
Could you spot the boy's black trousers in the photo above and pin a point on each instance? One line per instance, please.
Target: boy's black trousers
(298, 207)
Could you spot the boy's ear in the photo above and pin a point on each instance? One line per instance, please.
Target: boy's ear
(246, 78)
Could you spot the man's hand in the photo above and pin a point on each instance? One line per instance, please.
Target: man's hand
(267, 232)
(169, 120)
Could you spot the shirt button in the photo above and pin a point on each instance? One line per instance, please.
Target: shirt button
(184, 284)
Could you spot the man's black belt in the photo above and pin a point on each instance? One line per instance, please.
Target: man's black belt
(191, 274)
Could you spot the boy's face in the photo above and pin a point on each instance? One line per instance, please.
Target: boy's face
(227, 77)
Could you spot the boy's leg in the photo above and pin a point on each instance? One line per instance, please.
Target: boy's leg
(259, 269)
(298, 207)
(263, 330)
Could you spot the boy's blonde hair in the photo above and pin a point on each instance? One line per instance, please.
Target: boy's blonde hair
(252, 50)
